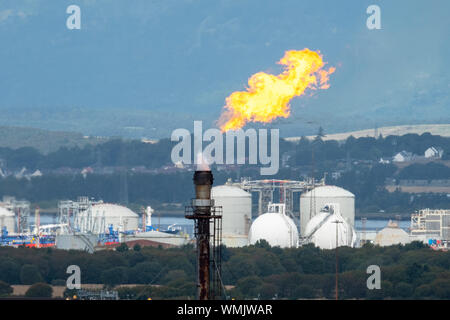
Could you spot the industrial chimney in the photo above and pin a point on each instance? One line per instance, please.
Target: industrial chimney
(203, 212)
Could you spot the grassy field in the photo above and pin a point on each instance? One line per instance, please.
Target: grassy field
(419, 189)
(435, 129)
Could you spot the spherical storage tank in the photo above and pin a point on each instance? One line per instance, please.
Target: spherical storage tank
(391, 235)
(7, 219)
(103, 215)
(275, 227)
(321, 229)
(313, 201)
(236, 213)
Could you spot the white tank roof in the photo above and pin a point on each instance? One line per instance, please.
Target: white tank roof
(329, 191)
(229, 191)
(113, 210)
(6, 213)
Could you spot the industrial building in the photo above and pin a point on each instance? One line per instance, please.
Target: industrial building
(7, 220)
(275, 227)
(14, 215)
(432, 226)
(311, 202)
(236, 214)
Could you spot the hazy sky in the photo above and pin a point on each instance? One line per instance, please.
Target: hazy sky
(139, 60)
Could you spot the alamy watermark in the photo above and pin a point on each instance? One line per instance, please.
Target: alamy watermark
(374, 281)
(74, 20)
(374, 20)
(260, 150)
(74, 280)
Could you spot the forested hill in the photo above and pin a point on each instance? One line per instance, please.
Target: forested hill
(43, 140)
(79, 152)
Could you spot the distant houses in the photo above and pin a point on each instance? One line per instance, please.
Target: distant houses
(432, 153)
(404, 156)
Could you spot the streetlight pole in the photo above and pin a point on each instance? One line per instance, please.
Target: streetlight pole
(337, 259)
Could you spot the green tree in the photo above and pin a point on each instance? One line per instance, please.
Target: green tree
(122, 247)
(267, 263)
(386, 291)
(305, 291)
(423, 291)
(29, 274)
(442, 288)
(353, 284)
(5, 289)
(404, 290)
(268, 290)
(9, 271)
(39, 290)
(114, 276)
(145, 273)
(239, 266)
(249, 286)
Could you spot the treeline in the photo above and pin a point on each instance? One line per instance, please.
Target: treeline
(115, 153)
(413, 271)
(429, 171)
(365, 148)
(131, 153)
(145, 189)
(154, 189)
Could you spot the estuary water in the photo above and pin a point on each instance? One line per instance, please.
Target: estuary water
(187, 226)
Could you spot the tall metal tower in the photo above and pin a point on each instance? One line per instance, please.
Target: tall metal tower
(206, 217)
(363, 223)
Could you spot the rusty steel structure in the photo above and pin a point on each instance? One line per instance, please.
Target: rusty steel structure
(208, 234)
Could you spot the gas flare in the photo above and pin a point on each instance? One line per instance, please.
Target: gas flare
(267, 96)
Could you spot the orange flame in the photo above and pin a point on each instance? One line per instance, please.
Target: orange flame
(268, 96)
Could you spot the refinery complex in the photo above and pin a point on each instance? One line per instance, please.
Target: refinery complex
(326, 218)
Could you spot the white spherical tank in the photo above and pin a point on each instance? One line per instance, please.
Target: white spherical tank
(7, 219)
(313, 201)
(99, 217)
(236, 213)
(321, 230)
(276, 228)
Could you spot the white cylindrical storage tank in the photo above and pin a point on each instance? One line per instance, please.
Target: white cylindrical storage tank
(276, 228)
(392, 235)
(313, 201)
(8, 220)
(236, 213)
(321, 230)
(105, 214)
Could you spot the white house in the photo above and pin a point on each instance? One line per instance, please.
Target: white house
(403, 156)
(434, 152)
